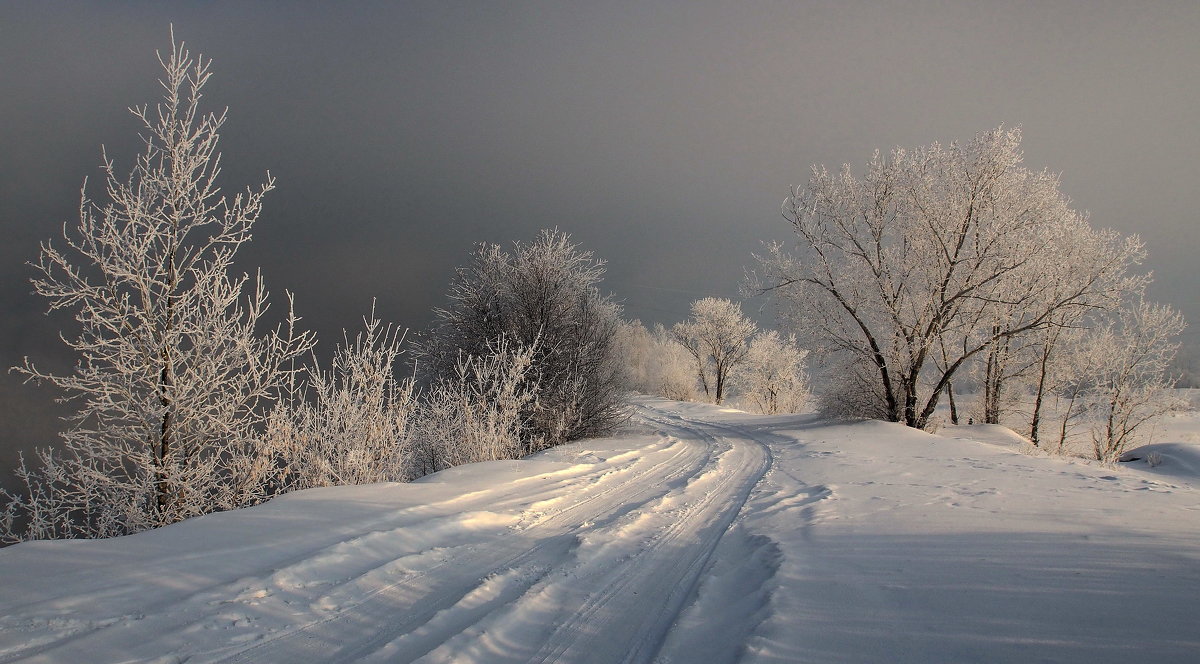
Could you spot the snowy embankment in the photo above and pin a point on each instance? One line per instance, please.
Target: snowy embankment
(703, 535)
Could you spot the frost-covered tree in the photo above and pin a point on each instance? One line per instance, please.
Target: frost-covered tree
(773, 379)
(934, 257)
(656, 363)
(674, 367)
(717, 337)
(1099, 260)
(1062, 382)
(637, 354)
(1125, 382)
(543, 296)
(1052, 374)
(1006, 363)
(174, 379)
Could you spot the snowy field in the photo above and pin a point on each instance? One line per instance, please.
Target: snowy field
(702, 535)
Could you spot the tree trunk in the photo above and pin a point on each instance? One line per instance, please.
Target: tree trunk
(703, 381)
(993, 381)
(1062, 434)
(166, 383)
(166, 437)
(910, 404)
(953, 406)
(1036, 420)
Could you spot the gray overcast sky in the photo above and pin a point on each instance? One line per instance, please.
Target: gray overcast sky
(663, 136)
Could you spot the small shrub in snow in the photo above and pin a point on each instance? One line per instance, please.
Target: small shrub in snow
(1125, 385)
(350, 424)
(478, 412)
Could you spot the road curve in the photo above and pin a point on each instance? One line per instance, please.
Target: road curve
(593, 552)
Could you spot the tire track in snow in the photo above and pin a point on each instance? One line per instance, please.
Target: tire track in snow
(737, 595)
(593, 561)
(164, 626)
(631, 580)
(537, 543)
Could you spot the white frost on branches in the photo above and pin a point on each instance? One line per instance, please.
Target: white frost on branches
(173, 381)
(933, 258)
(351, 423)
(717, 336)
(1125, 384)
(656, 364)
(773, 379)
(477, 413)
(544, 297)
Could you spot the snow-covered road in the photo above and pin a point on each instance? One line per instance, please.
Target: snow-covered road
(703, 535)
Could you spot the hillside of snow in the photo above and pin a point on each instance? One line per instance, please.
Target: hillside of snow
(701, 535)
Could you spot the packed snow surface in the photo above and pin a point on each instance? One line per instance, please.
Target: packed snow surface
(701, 535)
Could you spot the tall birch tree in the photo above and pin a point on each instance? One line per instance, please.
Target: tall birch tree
(174, 378)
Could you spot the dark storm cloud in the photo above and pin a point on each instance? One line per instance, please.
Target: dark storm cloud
(661, 135)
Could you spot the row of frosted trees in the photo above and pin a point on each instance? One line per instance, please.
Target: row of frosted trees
(716, 354)
(185, 406)
(950, 265)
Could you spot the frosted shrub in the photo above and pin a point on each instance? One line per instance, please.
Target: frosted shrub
(352, 423)
(544, 296)
(1127, 386)
(60, 498)
(674, 370)
(637, 352)
(477, 413)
